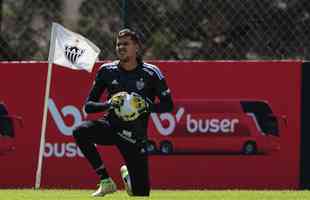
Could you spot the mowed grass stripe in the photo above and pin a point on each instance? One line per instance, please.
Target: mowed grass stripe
(28, 194)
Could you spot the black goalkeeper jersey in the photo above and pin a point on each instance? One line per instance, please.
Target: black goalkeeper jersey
(145, 80)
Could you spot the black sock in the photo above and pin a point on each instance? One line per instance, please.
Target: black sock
(102, 173)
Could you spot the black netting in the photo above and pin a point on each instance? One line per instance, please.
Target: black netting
(171, 29)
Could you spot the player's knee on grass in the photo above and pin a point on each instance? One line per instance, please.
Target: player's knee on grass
(141, 194)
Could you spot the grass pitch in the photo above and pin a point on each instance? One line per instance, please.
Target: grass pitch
(28, 194)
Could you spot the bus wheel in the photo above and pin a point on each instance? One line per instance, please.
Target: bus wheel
(249, 148)
(151, 146)
(166, 147)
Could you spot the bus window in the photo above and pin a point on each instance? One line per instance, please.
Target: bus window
(267, 122)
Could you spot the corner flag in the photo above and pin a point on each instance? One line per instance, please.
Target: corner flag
(67, 49)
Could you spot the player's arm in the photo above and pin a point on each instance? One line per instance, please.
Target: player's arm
(165, 103)
(93, 103)
(93, 107)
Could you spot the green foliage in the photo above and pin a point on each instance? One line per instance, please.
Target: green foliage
(99, 20)
(174, 29)
(21, 39)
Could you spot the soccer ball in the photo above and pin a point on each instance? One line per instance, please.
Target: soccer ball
(128, 111)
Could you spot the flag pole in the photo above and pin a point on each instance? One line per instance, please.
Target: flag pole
(45, 109)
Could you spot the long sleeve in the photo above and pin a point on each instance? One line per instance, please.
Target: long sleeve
(92, 104)
(163, 93)
(93, 107)
(165, 105)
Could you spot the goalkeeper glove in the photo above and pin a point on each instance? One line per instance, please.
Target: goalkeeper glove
(140, 103)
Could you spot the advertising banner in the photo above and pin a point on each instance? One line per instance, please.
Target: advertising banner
(235, 125)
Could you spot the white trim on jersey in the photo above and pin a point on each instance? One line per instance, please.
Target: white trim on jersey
(110, 65)
(154, 69)
(148, 71)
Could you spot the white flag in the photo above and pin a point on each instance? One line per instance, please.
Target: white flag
(71, 50)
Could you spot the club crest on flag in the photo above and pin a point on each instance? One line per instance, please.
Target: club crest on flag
(73, 53)
(72, 50)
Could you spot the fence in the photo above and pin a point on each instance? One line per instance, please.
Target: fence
(171, 29)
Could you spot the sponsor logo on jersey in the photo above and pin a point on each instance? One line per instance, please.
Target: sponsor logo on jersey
(127, 135)
(140, 84)
(114, 82)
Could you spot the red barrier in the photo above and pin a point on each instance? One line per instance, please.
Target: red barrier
(277, 83)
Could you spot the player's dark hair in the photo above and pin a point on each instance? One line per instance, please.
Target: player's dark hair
(135, 37)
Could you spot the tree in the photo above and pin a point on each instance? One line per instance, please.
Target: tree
(27, 28)
(99, 21)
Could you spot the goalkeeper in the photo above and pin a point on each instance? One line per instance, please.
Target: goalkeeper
(132, 87)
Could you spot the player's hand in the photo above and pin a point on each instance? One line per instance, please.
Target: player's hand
(140, 103)
(117, 99)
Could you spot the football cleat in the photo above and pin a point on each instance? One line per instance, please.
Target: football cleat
(106, 186)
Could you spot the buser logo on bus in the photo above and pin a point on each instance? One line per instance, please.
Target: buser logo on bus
(211, 125)
(193, 125)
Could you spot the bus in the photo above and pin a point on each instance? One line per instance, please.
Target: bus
(216, 126)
